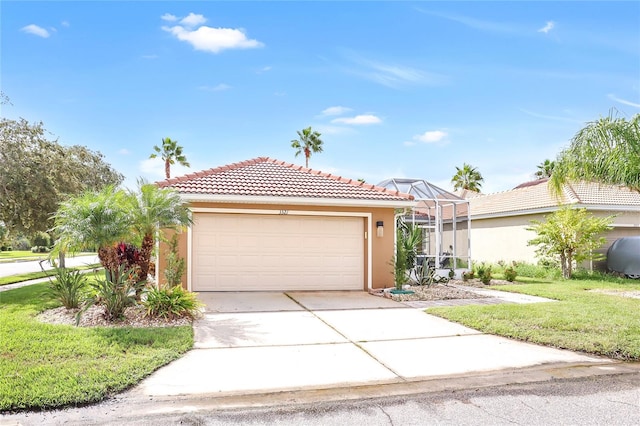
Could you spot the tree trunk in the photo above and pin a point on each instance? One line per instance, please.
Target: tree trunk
(145, 255)
(569, 265)
(563, 264)
(61, 260)
(167, 168)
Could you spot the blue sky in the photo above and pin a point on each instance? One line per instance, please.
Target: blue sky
(397, 89)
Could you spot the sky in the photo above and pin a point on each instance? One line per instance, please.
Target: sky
(396, 89)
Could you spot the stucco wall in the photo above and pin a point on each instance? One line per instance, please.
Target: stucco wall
(382, 248)
(506, 238)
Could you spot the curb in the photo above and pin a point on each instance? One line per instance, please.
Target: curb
(263, 399)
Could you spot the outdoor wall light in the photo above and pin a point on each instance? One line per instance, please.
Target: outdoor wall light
(380, 229)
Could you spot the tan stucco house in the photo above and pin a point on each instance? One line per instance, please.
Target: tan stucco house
(267, 225)
(499, 220)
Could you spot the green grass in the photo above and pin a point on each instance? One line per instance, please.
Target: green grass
(580, 320)
(45, 366)
(20, 254)
(13, 255)
(18, 278)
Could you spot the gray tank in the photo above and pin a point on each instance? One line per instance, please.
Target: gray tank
(624, 256)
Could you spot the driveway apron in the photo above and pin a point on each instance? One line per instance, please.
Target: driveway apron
(264, 342)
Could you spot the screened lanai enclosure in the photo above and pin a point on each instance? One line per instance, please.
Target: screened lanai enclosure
(444, 220)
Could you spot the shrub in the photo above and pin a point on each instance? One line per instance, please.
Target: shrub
(510, 274)
(484, 273)
(175, 265)
(171, 303)
(469, 275)
(41, 239)
(68, 287)
(116, 292)
(39, 249)
(22, 244)
(538, 271)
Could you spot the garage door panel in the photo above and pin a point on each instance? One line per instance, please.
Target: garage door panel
(236, 252)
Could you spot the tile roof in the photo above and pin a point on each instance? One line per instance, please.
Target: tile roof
(268, 177)
(537, 195)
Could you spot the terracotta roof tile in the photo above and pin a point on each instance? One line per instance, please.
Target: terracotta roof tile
(538, 195)
(264, 176)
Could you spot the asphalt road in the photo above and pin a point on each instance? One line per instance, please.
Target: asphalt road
(13, 268)
(596, 400)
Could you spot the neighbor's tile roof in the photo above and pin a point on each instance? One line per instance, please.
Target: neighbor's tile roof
(537, 195)
(273, 178)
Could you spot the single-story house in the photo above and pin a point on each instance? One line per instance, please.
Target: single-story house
(499, 220)
(264, 224)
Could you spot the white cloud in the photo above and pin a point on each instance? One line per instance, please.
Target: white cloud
(124, 151)
(153, 56)
(358, 119)
(551, 117)
(65, 24)
(264, 69)
(548, 27)
(169, 17)
(211, 39)
(478, 24)
(193, 20)
(623, 101)
(36, 30)
(393, 75)
(335, 110)
(219, 88)
(431, 136)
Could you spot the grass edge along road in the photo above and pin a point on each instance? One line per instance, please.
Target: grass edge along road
(45, 366)
(582, 318)
(28, 276)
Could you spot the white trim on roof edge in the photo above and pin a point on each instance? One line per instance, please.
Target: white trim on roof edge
(589, 207)
(338, 202)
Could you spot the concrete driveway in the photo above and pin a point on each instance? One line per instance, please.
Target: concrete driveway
(266, 342)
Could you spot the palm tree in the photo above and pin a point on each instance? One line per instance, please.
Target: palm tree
(545, 169)
(308, 142)
(93, 219)
(606, 151)
(170, 152)
(152, 209)
(467, 177)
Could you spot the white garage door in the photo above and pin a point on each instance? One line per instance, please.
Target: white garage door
(250, 252)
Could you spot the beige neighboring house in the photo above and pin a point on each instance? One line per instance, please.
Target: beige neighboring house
(499, 220)
(267, 225)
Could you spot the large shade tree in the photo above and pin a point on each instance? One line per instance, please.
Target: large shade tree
(170, 152)
(308, 143)
(606, 150)
(467, 177)
(37, 174)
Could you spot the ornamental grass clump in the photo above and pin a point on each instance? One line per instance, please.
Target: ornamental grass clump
(69, 287)
(172, 303)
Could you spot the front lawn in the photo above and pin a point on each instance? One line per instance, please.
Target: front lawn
(44, 366)
(580, 320)
(22, 255)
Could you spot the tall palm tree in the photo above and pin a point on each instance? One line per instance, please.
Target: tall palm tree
(606, 151)
(93, 219)
(170, 152)
(153, 209)
(467, 177)
(308, 142)
(545, 169)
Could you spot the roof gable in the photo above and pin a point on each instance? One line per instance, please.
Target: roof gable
(266, 177)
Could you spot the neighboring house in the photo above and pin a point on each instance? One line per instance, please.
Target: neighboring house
(499, 220)
(264, 224)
